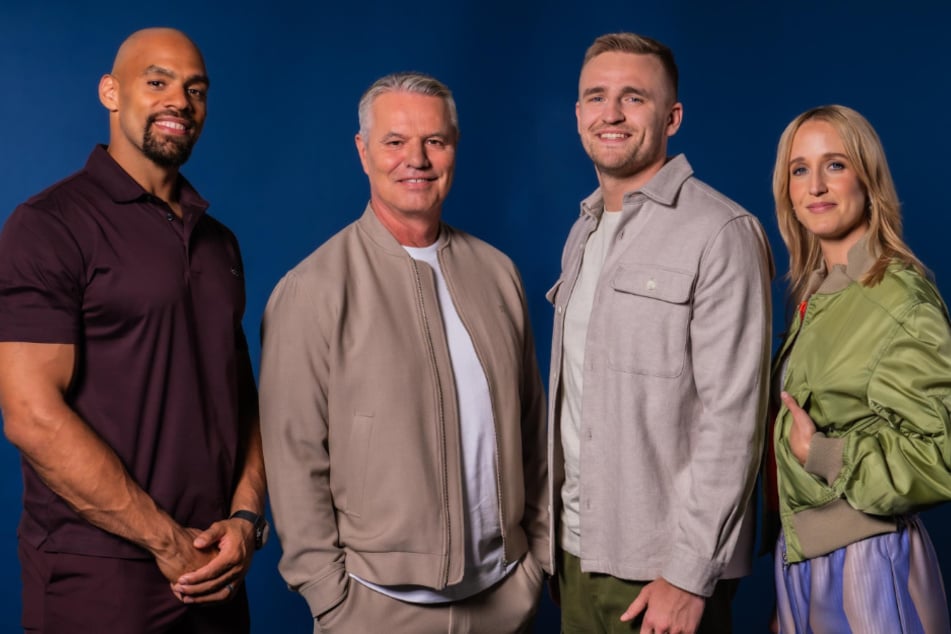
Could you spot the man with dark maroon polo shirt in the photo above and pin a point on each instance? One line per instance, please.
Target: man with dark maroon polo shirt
(125, 380)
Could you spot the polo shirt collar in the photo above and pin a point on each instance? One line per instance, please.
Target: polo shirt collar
(663, 188)
(122, 188)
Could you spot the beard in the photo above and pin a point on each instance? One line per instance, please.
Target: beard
(617, 163)
(168, 151)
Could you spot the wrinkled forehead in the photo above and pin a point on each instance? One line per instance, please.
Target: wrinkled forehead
(400, 109)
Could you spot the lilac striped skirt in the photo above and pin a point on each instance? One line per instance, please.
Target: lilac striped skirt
(888, 584)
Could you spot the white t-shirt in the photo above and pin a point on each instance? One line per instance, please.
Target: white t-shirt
(577, 314)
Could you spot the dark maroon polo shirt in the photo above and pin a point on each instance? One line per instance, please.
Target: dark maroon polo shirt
(153, 305)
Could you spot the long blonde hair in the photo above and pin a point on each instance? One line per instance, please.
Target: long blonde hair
(867, 157)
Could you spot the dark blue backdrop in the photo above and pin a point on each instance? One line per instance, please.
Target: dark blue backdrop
(278, 164)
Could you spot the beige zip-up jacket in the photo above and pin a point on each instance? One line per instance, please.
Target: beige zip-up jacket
(359, 416)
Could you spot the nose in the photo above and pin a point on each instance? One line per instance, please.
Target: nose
(177, 97)
(817, 183)
(612, 112)
(416, 156)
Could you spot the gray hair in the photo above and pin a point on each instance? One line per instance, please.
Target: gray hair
(414, 82)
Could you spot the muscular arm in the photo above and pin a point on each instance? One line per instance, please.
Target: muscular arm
(75, 462)
(233, 538)
(252, 484)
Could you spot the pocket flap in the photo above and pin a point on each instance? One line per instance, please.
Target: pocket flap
(674, 287)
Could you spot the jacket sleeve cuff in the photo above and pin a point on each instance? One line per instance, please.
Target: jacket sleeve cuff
(825, 457)
(691, 573)
(324, 593)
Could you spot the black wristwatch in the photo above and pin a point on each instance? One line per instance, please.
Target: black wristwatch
(261, 528)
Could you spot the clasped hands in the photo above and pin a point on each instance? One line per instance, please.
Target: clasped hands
(207, 566)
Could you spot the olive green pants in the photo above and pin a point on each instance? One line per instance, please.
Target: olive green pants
(594, 602)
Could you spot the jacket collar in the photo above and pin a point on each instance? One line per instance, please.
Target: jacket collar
(385, 240)
(663, 188)
(860, 259)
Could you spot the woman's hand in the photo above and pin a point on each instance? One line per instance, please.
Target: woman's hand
(802, 431)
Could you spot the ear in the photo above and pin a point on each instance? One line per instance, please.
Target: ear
(109, 93)
(362, 151)
(674, 118)
(578, 115)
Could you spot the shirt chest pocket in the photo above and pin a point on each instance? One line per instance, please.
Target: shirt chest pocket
(648, 320)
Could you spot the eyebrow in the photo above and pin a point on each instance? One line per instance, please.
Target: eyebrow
(626, 90)
(431, 135)
(827, 155)
(161, 70)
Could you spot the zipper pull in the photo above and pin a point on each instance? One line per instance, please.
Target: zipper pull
(802, 309)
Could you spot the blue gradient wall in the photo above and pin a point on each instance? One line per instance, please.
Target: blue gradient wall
(278, 164)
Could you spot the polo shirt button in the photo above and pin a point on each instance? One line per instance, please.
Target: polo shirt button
(170, 217)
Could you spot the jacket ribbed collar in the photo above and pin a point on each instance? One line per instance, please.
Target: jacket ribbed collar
(860, 259)
(385, 240)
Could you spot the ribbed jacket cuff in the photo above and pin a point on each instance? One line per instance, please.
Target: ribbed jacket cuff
(825, 457)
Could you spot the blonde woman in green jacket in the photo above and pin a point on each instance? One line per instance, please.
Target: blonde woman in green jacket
(862, 436)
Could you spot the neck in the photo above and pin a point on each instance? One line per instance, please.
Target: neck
(162, 182)
(613, 188)
(409, 231)
(837, 251)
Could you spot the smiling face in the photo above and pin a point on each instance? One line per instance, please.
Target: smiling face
(408, 153)
(825, 191)
(626, 111)
(156, 97)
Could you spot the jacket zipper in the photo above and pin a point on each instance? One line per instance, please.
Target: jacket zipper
(495, 418)
(441, 420)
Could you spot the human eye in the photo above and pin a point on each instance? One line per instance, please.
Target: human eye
(797, 170)
(634, 99)
(198, 93)
(436, 142)
(837, 166)
(155, 83)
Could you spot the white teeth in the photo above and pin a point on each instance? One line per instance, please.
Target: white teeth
(415, 180)
(171, 124)
(613, 135)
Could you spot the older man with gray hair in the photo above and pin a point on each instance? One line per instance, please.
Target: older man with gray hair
(401, 403)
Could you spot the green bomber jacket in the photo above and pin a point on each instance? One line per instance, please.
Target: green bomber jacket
(872, 367)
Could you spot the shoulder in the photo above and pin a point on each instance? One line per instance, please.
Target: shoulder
(468, 249)
(903, 288)
(62, 197)
(53, 218)
(714, 204)
(322, 270)
(327, 259)
(702, 212)
(467, 243)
